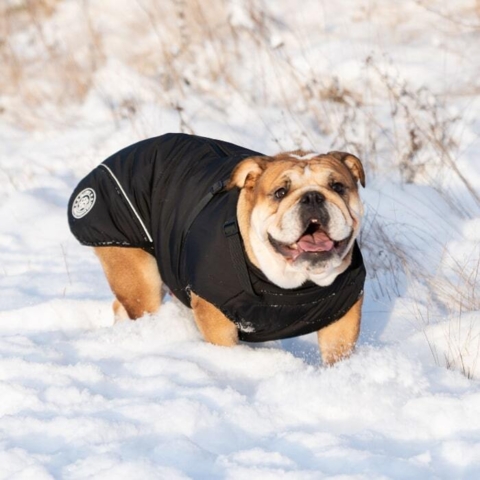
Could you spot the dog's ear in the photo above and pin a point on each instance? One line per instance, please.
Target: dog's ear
(353, 163)
(245, 174)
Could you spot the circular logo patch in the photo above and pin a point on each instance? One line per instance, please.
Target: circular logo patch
(83, 203)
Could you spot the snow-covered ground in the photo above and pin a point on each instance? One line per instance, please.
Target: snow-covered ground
(395, 82)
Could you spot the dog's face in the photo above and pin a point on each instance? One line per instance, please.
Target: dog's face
(299, 214)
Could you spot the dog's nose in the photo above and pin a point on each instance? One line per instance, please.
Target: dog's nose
(312, 198)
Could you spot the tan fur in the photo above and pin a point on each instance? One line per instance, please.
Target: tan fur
(133, 277)
(353, 163)
(338, 340)
(260, 215)
(246, 172)
(119, 311)
(272, 171)
(215, 327)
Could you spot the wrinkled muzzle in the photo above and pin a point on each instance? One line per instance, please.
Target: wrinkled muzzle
(314, 229)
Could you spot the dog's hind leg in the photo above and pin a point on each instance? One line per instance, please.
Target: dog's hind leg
(134, 279)
(338, 340)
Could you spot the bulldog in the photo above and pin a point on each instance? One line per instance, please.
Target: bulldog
(260, 247)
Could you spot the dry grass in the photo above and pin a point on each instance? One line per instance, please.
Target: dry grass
(42, 69)
(442, 301)
(460, 295)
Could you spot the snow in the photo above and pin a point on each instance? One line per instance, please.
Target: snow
(82, 397)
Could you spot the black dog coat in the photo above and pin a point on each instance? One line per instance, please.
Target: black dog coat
(165, 195)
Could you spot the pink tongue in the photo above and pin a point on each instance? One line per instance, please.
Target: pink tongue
(318, 242)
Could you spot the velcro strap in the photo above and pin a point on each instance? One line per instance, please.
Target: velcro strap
(236, 252)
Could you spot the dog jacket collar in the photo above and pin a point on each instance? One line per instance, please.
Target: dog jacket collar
(160, 195)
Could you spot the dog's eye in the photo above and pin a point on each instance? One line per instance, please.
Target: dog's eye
(338, 188)
(280, 193)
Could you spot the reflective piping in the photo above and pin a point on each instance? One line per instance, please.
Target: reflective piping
(128, 200)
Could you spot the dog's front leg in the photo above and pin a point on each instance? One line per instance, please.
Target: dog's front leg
(215, 327)
(338, 340)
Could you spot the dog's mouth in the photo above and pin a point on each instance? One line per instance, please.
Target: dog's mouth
(314, 241)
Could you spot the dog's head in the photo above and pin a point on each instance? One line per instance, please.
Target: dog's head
(299, 214)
